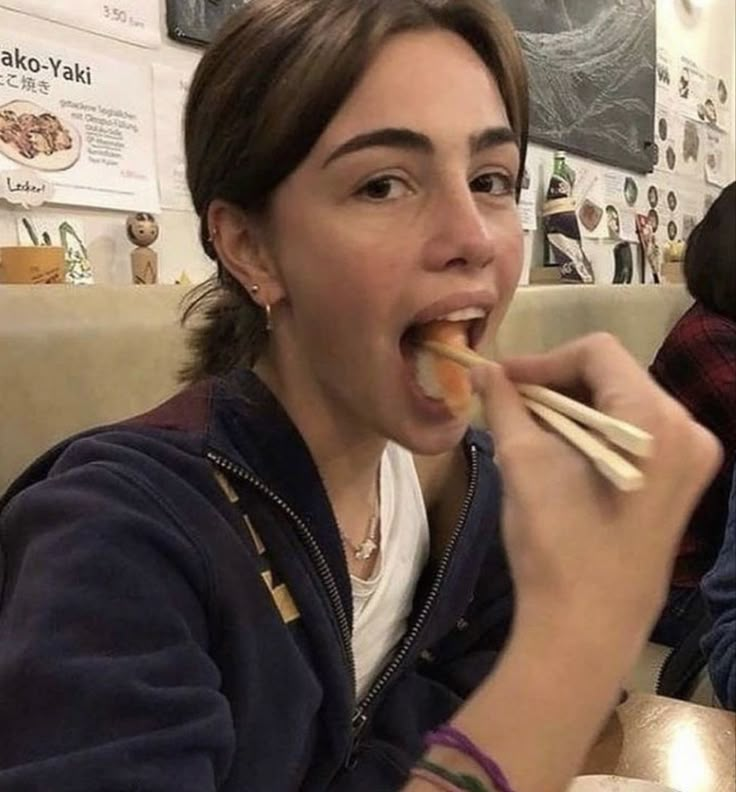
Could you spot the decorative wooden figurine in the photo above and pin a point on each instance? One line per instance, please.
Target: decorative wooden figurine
(142, 230)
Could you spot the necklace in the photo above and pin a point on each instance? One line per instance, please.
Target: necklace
(369, 545)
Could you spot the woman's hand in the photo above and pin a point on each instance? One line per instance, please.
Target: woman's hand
(578, 546)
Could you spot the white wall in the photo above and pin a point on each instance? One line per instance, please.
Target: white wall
(707, 35)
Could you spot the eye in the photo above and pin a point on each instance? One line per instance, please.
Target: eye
(383, 188)
(493, 183)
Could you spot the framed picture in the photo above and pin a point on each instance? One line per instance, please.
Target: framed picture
(197, 21)
(592, 70)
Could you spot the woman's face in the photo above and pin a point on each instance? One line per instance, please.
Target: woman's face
(403, 212)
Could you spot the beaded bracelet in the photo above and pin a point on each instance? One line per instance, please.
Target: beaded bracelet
(449, 737)
(460, 780)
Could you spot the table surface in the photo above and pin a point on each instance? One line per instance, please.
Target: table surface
(681, 745)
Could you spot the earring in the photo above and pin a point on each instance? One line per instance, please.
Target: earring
(213, 234)
(255, 288)
(269, 325)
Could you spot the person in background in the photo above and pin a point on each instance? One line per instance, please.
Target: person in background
(697, 365)
(300, 573)
(719, 588)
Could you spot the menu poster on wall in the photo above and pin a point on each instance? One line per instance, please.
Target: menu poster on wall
(84, 122)
(170, 87)
(135, 21)
(691, 89)
(589, 200)
(691, 149)
(718, 102)
(667, 135)
(717, 157)
(665, 77)
(622, 196)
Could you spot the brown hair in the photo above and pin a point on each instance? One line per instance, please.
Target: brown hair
(262, 95)
(710, 256)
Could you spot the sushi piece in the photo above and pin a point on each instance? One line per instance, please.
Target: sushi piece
(438, 377)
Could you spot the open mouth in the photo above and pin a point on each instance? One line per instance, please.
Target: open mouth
(443, 381)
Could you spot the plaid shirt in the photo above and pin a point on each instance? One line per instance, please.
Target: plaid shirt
(697, 365)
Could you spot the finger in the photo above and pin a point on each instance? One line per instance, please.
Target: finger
(596, 363)
(504, 411)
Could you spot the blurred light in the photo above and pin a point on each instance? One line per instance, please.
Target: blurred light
(687, 765)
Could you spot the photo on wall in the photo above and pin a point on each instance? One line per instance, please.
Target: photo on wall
(592, 76)
(197, 21)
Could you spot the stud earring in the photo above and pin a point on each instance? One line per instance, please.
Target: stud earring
(255, 288)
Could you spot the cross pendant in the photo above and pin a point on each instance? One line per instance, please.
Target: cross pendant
(365, 549)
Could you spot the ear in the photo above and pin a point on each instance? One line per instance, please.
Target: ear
(240, 242)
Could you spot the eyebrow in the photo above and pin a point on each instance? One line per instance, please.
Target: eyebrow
(394, 137)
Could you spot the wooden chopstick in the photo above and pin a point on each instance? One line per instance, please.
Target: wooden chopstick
(614, 467)
(622, 434)
(558, 410)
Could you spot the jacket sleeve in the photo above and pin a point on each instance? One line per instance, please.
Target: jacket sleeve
(719, 588)
(105, 680)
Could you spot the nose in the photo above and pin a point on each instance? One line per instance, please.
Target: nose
(458, 233)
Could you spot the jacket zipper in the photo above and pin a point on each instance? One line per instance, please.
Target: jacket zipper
(360, 717)
(316, 556)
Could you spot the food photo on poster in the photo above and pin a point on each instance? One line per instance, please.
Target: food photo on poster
(82, 121)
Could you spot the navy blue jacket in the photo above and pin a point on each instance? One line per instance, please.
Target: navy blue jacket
(719, 588)
(176, 612)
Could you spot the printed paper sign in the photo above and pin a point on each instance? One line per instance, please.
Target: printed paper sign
(718, 102)
(529, 196)
(135, 21)
(665, 77)
(170, 87)
(24, 188)
(691, 90)
(717, 158)
(83, 121)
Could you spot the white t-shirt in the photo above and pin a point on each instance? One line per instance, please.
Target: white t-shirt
(381, 604)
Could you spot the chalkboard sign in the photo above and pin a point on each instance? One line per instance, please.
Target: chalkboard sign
(591, 73)
(197, 21)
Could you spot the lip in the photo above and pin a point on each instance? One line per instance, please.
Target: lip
(484, 300)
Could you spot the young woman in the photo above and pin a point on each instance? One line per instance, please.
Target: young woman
(696, 364)
(291, 575)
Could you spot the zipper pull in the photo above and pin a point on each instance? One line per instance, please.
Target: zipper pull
(357, 725)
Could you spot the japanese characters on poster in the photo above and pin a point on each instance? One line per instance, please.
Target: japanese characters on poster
(82, 121)
(170, 88)
(135, 21)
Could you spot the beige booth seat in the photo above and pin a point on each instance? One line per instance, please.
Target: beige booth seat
(75, 357)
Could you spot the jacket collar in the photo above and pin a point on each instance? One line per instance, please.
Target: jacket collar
(250, 428)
